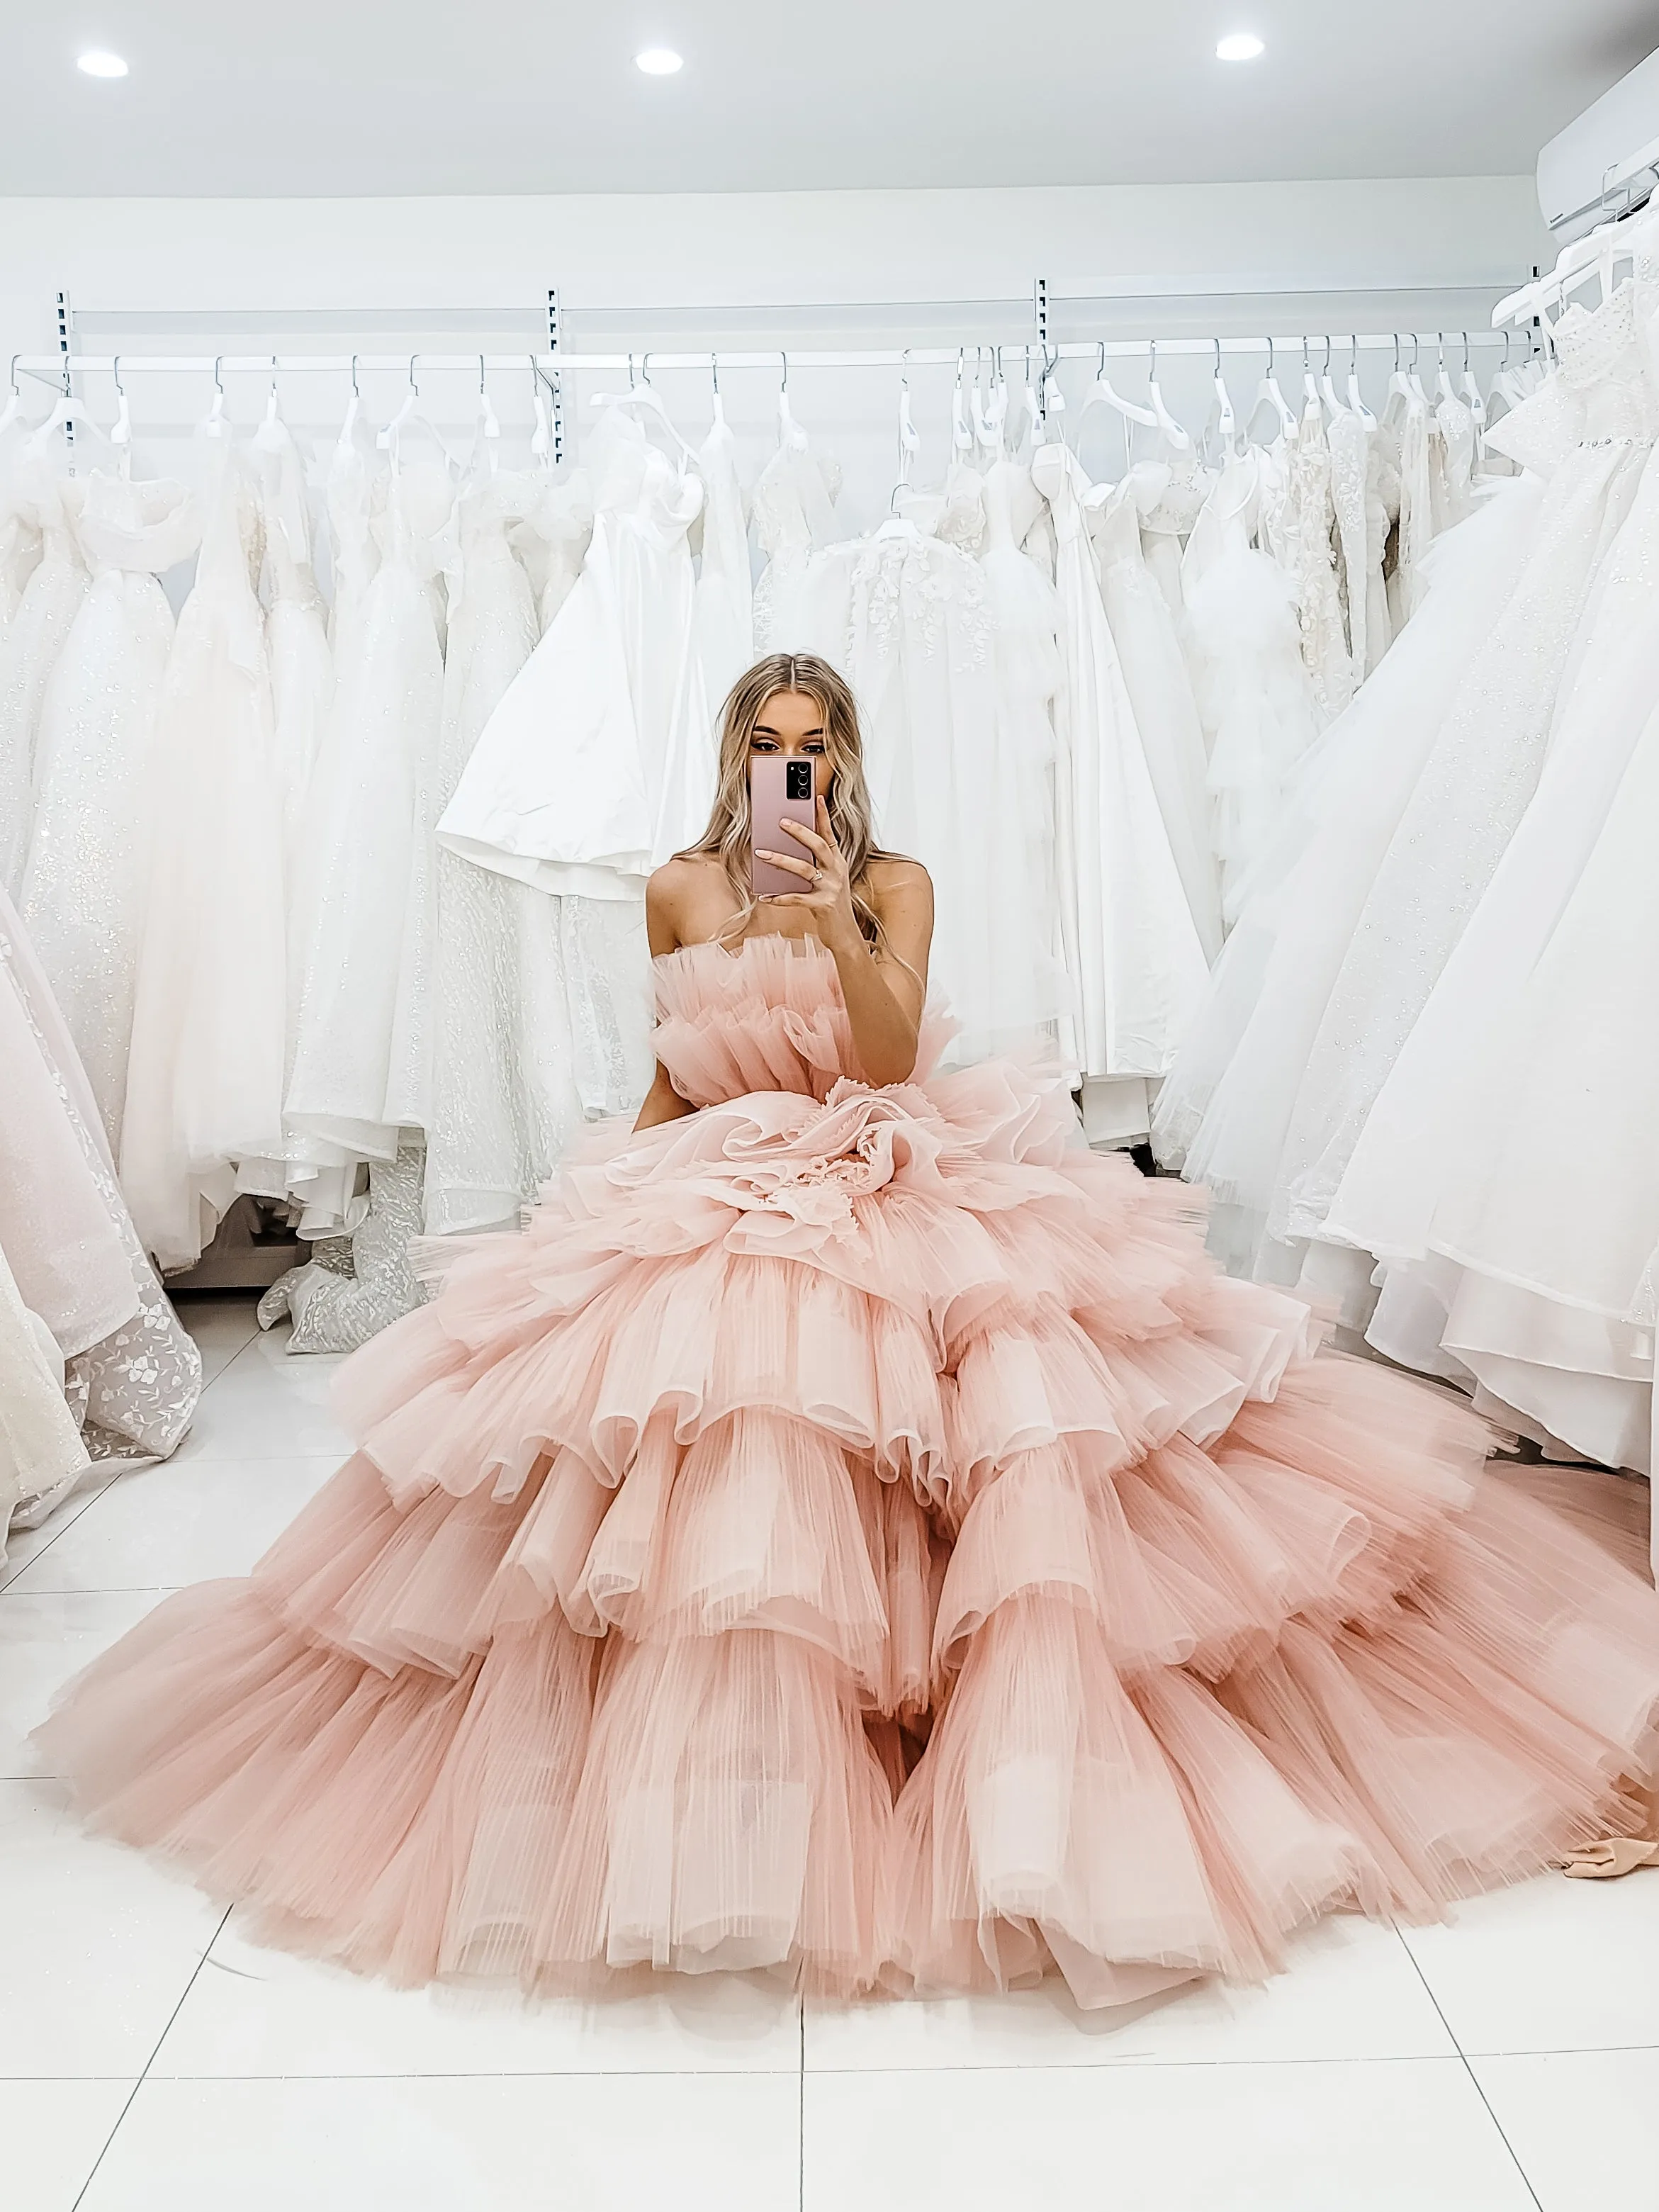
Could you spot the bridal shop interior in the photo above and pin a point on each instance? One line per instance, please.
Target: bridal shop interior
(1002, 1549)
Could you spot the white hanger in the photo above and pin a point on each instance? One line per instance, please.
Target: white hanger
(717, 405)
(1356, 397)
(541, 438)
(1101, 393)
(412, 410)
(1412, 378)
(66, 412)
(910, 444)
(991, 409)
(790, 433)
(121, 433)
(214, 423)
(1053, 398)
(1335, 405)
(962, 435)
(354, 407)
(1472, 398)
(1442, 382)
(1268, 390)
(1166, 421)
(1226, 422)
(646, 398)
(1310, 389)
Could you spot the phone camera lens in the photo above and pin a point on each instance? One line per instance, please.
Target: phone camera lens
(800, 780)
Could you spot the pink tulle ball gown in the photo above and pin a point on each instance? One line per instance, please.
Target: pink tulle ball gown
(857, 1531)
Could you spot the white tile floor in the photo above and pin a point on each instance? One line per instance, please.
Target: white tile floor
(152, 2057)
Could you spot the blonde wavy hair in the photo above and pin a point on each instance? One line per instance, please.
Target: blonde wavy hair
(728, 836)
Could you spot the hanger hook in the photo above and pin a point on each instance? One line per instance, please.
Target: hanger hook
(273, 376)
(218, 380)
(481, 376)
(114, 370)
(1304, 355)
(714, 372)
(1151, 361)
(1217, 344)
(16, 393)
(413, 386)
(1326, 368)
(630, 372)
(1465, 337)
(783, 385)
(355, 393)
(1267, 378)
(904, 370)
(645, 369)
(962, 353)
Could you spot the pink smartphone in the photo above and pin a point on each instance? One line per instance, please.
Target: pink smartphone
(779, 791)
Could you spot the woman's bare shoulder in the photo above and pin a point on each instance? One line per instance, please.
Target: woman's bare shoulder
(895, 881)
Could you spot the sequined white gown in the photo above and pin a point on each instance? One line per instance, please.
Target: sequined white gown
(87, 874)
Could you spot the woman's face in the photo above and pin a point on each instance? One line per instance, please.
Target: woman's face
(792, 725)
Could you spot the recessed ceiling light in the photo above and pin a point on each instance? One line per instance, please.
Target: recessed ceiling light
(658, 61)
(1239, 47)
(98, 64)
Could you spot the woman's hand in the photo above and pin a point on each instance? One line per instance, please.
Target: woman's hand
(827, 889)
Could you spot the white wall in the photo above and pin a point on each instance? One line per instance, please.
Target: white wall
(221, 276)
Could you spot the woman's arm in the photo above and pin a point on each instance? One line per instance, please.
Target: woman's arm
(662, 1102)
(884, 995)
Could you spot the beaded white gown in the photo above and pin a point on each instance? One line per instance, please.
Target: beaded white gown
(43, 503)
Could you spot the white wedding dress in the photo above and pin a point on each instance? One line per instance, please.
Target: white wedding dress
(1481, 771)
(131, 1376)
(1159, 685)
(209, 1024)
(958, 754)
(503, 1090)
(1131, 944)
(598, 763)
(1255, 697)
(44, 502)
(723, 612)
(361, 1057)
(88, 875)
(1225, 1110)
(793, 511)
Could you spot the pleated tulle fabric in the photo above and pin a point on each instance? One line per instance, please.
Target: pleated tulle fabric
(859, 1532)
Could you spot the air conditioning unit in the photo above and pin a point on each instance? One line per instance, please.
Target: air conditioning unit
(1606, 162)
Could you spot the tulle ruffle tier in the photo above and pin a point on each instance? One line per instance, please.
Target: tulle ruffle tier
(857, 1531)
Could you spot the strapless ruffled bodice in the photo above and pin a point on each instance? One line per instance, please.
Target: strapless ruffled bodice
(767, 1016)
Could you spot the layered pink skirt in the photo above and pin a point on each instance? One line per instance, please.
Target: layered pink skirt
(865, 1536)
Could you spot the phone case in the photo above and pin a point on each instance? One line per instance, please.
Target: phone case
(769, 806)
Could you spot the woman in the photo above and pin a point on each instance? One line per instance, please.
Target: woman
(854, 1529)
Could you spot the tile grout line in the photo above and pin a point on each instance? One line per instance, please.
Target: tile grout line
(166, 2031)
(800, 2113)
(1526, 2178)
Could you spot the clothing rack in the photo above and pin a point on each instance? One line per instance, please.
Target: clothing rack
(1045, 307)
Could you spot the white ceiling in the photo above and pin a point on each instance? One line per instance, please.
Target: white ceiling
(281, 97)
